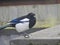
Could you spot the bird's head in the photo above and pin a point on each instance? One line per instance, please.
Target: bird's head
(31, 14)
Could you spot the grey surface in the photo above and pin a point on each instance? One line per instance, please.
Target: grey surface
(34, 42)
(7, 35)
(4, 40)
(14, 32)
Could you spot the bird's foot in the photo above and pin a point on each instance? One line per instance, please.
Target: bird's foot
(26, 35)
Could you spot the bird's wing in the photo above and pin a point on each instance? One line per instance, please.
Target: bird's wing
(25, 20)
(19, 20)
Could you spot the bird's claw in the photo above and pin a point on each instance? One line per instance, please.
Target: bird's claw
(26, 36)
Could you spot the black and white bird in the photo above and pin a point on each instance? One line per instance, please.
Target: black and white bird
(22, 23)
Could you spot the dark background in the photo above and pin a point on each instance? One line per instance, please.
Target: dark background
(21, 0)
(27, 2)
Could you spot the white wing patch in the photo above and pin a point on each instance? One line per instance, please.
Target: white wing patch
(22, 26)
(25, 19)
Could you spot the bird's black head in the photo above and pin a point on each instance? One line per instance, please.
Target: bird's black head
(31, 14)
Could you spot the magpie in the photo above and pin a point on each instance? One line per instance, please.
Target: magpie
(22, 23)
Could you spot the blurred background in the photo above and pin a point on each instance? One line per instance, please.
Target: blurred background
(47, 14)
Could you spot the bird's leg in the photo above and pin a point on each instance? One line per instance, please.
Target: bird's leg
(26, 35)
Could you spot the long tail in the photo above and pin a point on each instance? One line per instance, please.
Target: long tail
(3, 27)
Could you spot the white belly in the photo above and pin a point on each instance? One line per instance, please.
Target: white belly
(22, 26)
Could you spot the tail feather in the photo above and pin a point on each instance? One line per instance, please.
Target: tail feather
(3, 27)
